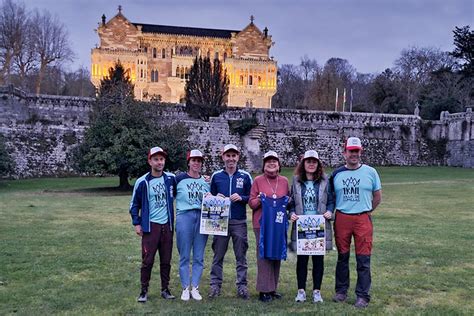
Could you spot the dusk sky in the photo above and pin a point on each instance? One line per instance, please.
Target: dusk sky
(370, 34)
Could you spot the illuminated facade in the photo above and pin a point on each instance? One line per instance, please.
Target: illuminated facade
(159, 57)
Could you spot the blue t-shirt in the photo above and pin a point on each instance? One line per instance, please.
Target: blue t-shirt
(157, 201)
(310, 199)
(189, 192)
(354, 188)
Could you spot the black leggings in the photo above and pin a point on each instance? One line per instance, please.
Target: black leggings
(302, 271)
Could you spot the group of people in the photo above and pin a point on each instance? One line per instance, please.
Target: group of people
(347, 199)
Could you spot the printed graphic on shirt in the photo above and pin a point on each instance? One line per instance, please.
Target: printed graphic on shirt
(158, 195)
(309, 199)
(279, 217)
(239, 183)
(350, 189)
(195, 192)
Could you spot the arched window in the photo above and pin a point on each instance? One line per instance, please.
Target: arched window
(241, 80)
(163, 53)
(177, 71)
(216, 55)
(250, 80)
(186, 73)
(154, 52)
(182, 73)
(141, 73)
(225, 56)
(154, 76)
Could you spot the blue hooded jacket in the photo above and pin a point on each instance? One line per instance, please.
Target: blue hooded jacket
(139, 200)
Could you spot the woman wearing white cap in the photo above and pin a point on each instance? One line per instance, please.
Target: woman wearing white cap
(191, 186)
(268, 200)
(309, 196)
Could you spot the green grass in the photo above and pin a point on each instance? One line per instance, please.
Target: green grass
(67, 248)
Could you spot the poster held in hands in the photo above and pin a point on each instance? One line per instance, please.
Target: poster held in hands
(311, 237)
(215, 215)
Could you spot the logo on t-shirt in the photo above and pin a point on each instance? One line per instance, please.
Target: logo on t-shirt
(309, 199)
(195, 192)
(351, 189)
(279, 217)
(159, 194)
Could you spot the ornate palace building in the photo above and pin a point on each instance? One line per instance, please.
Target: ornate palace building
(158, 59)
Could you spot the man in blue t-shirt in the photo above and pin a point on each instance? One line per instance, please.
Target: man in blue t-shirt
(151, 209)
(357, 192)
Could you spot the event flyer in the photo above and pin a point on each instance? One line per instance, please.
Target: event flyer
(215, 215)
(310, 238)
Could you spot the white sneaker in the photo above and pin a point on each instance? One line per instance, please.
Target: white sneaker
(300, 296)
(317, 297)
(195, 294)
(185, 295)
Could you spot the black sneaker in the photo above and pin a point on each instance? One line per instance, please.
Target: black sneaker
(243, 293)
(142, 298)
(275, 295)
(166, 294)
(265, 297)
(214, 291)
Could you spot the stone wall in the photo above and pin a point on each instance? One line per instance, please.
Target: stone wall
(41, 132)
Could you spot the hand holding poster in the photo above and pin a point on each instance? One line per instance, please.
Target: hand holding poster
(215, 215)
(310, 237)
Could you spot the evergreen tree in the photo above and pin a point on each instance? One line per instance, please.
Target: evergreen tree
(207, 89)
(464, 49)
(122, 131)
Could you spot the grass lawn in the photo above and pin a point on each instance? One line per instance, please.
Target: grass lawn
(69, 248)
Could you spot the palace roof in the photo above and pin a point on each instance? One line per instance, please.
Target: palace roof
(181, 30)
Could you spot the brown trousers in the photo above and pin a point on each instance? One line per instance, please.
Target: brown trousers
(268, 271)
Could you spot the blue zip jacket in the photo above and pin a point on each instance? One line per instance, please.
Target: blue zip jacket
(240, 182)
(140, 200)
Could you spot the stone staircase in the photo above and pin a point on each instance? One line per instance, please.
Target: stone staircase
(257, 132)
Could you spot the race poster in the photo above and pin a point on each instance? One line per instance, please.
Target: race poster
(310, 238)
(215, 215)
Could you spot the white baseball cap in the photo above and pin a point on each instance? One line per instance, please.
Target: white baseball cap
(230, 147)
(156, 150)
(195, 153)
(353, 143)
(270, 154)
(311, 154)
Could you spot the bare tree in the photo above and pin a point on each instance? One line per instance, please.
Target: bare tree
(13, 17)
(51, 43)
(414, 68)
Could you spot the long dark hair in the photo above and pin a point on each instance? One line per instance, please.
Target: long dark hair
(301, 173)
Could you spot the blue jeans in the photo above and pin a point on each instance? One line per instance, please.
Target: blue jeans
(187, 238)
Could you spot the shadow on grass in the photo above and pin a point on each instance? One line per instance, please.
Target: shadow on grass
(103, 191)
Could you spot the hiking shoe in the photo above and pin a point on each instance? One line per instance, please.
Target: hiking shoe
(185, 295)
(195, 294)
(143, 297)
(339, 297)
(361, 303)
(166, 294)
(300, 296)
(243, 293)
(214, 291)
(317, 297)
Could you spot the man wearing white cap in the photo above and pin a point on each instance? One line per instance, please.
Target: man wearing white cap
(358, 192)
(151, 209)
(234, 183)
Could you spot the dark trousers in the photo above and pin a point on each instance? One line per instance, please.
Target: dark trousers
(238, 233)
(359, 226)
(160, 238)
(302, 271)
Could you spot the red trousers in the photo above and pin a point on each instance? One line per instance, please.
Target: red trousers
(359, 226)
